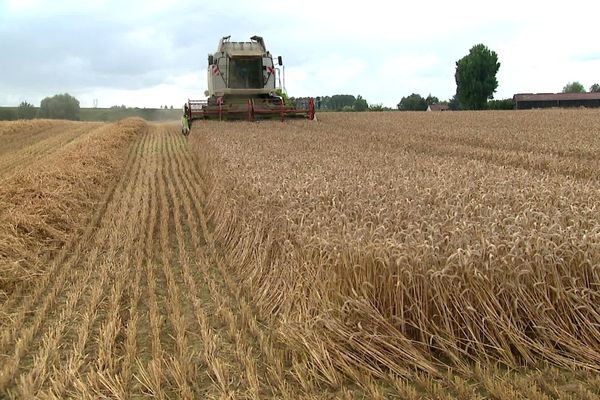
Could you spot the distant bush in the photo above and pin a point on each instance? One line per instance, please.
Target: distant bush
(505, 104)
(573, 87)
(8, 114)
(360, 104)
(60, 106)
(379, 107)
(414, 102)
(26, 111)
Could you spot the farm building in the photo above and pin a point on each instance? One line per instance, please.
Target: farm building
(524, 101)
(437, 107)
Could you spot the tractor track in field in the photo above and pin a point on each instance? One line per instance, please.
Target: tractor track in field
(140, 304)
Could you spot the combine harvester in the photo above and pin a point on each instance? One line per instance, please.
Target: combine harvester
(243, 83)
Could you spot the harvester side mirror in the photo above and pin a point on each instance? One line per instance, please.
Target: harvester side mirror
(210, 59)
(280, 60)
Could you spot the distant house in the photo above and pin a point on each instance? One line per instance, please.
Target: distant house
(525, 101)
(437, 107)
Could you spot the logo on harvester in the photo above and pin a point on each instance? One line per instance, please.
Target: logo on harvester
(215, 69)
(270, 70)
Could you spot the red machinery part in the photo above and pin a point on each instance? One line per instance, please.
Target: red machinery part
(250, 111)
(311, 109)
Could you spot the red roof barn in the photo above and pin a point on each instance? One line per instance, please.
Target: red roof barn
(525, 101)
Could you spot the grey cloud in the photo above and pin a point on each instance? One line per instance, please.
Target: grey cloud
(97, 50)
(84, 47)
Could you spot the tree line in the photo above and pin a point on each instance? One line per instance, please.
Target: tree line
(577, 87)
(60, 106)
(65, 106)
(475, 79)
(476, 83)
(338, 102)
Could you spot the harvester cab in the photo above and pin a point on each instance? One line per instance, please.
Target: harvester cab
(243, 83)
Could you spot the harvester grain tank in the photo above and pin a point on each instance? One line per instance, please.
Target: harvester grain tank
(243, 83)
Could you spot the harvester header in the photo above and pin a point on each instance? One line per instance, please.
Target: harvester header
(244, 83)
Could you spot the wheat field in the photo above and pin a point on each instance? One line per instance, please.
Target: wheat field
(363, 256)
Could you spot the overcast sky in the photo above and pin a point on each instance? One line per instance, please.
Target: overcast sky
(153, 53)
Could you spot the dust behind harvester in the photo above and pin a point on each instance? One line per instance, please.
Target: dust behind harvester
(243, 82)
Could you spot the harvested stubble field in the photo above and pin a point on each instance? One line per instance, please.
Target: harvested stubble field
(379, 255)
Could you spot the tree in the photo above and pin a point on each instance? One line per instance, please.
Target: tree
(360, 104)
(595, 88)
(476, 77)
(60, 106)
(453, 104)
(431, 100)
(26, 111)
(378, 107)
(339, 101)
(504, 104)
(414, 102)
(573, 87)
